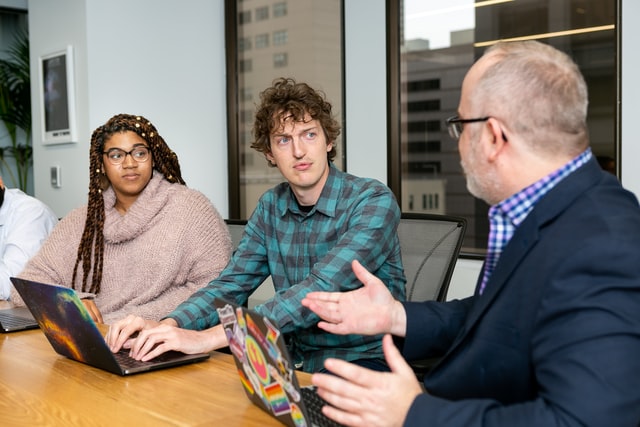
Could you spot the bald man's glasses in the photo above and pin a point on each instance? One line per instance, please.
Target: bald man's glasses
(455, 125)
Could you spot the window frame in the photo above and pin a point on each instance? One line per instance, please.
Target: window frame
(394, 113)
(234, 157)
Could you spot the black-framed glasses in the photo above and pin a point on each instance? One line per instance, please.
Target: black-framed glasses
(455, 125)
(116, 155)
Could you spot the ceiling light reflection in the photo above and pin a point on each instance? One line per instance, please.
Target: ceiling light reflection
(549, 35)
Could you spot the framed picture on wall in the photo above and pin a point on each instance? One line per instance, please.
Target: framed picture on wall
(57, 95)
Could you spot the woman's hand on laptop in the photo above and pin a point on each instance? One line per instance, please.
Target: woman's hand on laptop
(154, 338)
(123, 333)
(165, 337)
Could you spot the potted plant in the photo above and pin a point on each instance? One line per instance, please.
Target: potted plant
(15, 109)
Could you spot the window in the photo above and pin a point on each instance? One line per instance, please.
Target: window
(246, 94)
(279, 9)
(423, 85)
(262, 41)
(246, 116)
(244, 44)
(262, 13)
(423, 147)
(320, 66)
(14, 26)
(244, 17)
(280, 60)
(424, 126)
(424, 167)
(280, 37)
(245, 65)
(437, 43)
(420, 126)
(429, 105)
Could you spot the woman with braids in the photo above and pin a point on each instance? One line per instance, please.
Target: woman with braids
(144, 242)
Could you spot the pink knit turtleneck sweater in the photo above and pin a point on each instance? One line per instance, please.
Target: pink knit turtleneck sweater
(171, 242)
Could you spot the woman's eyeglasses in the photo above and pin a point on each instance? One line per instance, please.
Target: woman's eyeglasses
(116, 156)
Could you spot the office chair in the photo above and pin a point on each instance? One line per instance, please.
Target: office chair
(236, 228)
(429, 245)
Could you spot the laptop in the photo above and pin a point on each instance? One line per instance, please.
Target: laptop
(72, 332)
(16, 319)
(266, 370)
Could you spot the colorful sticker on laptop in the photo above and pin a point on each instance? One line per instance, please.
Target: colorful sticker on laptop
(257, 360)
(227, 315)
(271, 340)
(277, 399)
(285, 383)
(245, 382)
(254, 330)
(297, 416)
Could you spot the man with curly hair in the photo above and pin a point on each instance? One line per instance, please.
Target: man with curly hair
(303, 233)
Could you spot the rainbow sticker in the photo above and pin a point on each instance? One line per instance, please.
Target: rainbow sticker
(245, 382)
(277, 398)
(297, 416)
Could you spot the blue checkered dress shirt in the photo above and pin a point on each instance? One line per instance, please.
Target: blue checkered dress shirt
(507, 215)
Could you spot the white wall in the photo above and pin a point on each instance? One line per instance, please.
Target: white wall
(365, 88)
(630, 107)
(464, 278)
(73, 159)
(163, 59)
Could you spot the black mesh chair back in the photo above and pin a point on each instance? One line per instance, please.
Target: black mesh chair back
(430, 245)
(236, 228)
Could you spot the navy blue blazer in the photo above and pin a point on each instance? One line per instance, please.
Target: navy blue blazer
(555, 337)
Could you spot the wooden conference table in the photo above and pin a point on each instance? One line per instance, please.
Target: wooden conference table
(40, 387)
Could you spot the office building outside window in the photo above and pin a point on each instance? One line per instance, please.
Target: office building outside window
(294, 51)
(439, 41)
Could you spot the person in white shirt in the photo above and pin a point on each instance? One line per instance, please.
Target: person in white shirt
(25, 223)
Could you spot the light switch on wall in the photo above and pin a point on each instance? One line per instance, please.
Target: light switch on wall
(55, 177)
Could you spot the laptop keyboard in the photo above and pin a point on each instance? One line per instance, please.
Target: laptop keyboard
(128, 362)
(12, 321)
(314, 403)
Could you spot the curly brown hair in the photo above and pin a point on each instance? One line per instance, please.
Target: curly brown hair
(287, 98)
(165, 161)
